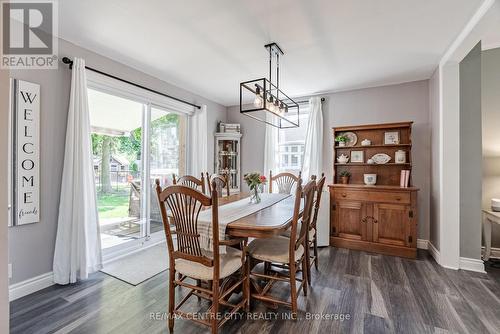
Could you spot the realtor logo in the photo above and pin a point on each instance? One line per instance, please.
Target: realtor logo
(29, 35)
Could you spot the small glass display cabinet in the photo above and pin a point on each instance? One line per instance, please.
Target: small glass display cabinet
(227, 158)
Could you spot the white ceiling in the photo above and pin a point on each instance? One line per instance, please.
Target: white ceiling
(209, 47)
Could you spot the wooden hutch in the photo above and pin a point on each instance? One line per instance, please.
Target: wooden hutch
(379, 218)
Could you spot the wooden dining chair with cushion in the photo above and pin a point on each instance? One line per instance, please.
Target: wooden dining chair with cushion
(284, 182)
(221, 182)
(191, 182)
(289, 252)
(223, 273)
(312, 235)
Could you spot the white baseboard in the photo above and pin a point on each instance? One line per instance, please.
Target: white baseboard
(43, 281)
(495, 252)
(31, 285)
(472, 264)
(434, 252)
(422, 244)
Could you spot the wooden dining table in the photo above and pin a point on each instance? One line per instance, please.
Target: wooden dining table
(265, 223)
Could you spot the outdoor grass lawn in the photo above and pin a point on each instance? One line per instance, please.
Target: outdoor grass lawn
(113, 205)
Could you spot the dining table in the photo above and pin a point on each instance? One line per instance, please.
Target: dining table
(267, 222)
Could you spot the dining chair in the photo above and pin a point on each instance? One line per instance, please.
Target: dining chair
(190, 181)
(284, 181)
(191, 261)
(221, 182)
(288, 252)
(312, 239)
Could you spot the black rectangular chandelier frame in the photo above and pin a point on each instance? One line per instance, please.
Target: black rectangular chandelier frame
(271, 99)
(268, 90)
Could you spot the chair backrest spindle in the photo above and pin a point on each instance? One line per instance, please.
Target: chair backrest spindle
(185, 205)
(284, 181)
(220, 181)
(190, 181)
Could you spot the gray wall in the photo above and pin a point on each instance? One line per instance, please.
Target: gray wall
(31, 247)
(252, 142)
(470, 154)
(434, 231)
(395, 103)
(491, 134)
(4, 291)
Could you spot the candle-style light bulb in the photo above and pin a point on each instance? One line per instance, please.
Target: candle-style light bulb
(270, 105)
(277, 106)
(257, 102)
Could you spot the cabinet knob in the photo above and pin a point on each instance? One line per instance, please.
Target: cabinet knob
(344, 195)
(398, 198)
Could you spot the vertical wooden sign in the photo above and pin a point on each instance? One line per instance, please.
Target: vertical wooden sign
(26, 152)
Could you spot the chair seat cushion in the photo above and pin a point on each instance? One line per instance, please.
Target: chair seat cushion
(229, 264)
(312, 233)
(273, 250)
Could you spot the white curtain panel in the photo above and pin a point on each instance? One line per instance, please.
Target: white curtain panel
(199, 142)
(312, 163)
(78, 244)
(271, 148)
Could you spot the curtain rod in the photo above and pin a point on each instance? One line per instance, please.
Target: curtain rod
(69, 62)
(306, 101)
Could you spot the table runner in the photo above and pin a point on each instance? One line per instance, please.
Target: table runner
(229, 213)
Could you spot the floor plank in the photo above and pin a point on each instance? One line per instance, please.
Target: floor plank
(367, 293)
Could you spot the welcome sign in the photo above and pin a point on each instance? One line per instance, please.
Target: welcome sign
(26, 152)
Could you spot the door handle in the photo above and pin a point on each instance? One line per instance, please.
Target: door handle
(365, 220)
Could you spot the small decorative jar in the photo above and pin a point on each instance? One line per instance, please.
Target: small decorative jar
(370, 179)
(400, 157)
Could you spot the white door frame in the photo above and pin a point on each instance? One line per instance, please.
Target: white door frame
(449, 128)
(149, 100)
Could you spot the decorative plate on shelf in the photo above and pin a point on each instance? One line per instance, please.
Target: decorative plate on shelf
(381, 158)
(352, 139)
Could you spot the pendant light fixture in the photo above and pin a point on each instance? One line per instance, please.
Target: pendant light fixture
(263, 100)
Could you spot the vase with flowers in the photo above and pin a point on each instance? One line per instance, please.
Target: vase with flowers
(255, 182)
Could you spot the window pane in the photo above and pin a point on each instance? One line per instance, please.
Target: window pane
(167, 155)
(292, 140)
(116, 146)
(167, 146)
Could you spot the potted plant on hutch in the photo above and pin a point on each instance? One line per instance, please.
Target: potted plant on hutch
(341, 140)
(344, 177)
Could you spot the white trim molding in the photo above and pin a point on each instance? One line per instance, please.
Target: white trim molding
(472, 264)
(495, 252)
(434, 252)
(449, 136)
(125, 90)
(31, 285)
(422, 244)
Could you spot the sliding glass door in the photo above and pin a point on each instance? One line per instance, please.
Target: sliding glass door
(167, 149)
(133, 144)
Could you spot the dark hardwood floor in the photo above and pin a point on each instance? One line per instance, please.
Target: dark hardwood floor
(378, 294)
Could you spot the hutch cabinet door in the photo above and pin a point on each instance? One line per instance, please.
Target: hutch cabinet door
(348, 220)
(391, 224)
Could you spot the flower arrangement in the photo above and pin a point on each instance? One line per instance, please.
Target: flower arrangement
(255, 181)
